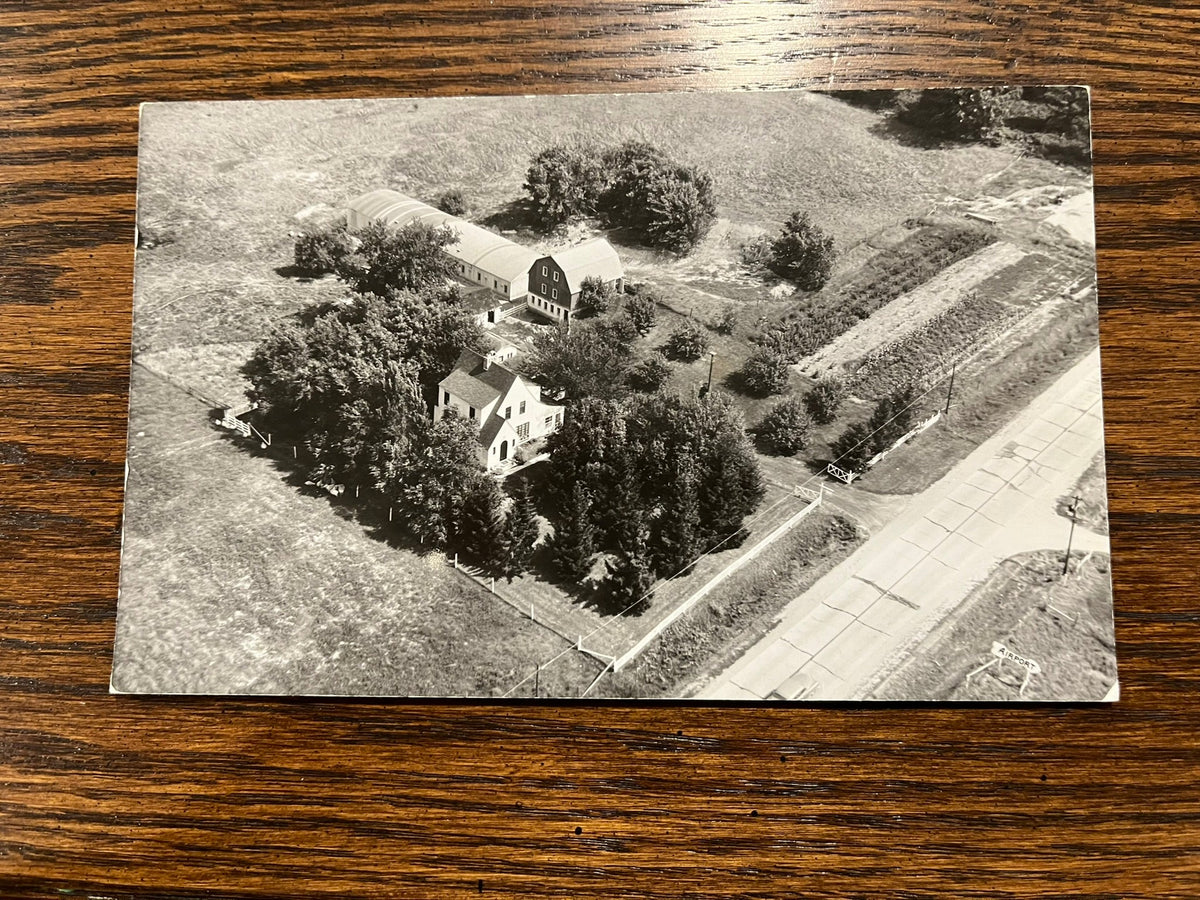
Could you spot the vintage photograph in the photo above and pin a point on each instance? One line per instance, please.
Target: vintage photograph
(786, 396)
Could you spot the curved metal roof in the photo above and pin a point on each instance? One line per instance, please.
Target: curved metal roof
(476, 246)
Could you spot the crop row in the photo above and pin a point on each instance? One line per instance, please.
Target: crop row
(924, 356)
(822, 317)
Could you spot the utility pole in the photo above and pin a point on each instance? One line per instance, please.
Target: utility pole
(712, 355)
(950, 391)
(1072, 509)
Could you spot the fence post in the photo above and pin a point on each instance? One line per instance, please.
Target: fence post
(390, 508)
(455, 559)
(493, 584)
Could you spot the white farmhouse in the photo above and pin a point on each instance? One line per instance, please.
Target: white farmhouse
(508, 409)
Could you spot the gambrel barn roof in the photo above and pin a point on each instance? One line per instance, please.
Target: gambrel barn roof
(476, 246)
(595, 257)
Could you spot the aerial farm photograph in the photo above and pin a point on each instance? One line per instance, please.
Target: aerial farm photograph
(782, 396)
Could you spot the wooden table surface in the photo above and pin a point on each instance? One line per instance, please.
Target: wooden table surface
(125, 797)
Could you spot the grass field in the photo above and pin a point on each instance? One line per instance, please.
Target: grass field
(238, 581)
(1064, 624)
(1092, 490)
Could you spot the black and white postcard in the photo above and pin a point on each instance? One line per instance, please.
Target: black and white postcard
(780, 396)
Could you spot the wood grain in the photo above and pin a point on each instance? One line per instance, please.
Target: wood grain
(125, 797)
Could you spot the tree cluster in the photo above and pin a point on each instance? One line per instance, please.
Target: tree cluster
(893, 417)
(388, 260)
(655, 481)
(633, 186)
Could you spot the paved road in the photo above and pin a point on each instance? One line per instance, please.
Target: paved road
(998, 501)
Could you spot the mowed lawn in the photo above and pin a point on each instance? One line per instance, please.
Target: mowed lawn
(235, 581)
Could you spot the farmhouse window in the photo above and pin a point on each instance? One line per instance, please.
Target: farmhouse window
(508, 412)
(557, 419)
(543, 271)
(470, 412)
(556, 276)
(523, 431)
(445, 398)
(554, 294)
(522, 407)
(549, 419)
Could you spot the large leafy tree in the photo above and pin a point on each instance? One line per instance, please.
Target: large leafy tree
(630, 576)
(803, 253)
(563, 183)
(854, 448)
(430, 488)
(674, 542)
(678, 207)
(588, 360)
(389, 260)
(955, 114)
(765, 372)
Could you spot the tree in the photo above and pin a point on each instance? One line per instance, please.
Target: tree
(480, 530)
(451, 202)
(641, 310)
(320, 251)
(803, 253)
(520, 532)
(785, 429)
(431, 486)
(651, 373)
(892, 418)
(688, 342)
(679, 208)
(391, 260)
(595, 296)
(588, 360)
(674, 542)
(630, 577)
(854, 448)
(574, 538)
(965, 115)
(628, 167)
(765, 372)
(563, 183)
(825, 398)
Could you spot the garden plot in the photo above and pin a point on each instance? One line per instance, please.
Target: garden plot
(912, 310)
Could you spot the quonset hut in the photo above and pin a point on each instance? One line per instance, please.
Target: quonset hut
(481, 257)
(506, 276)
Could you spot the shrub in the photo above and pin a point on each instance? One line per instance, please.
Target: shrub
(321, 251)
(688, 342)
(785, 428)
(642, 311)
(651, 373)
(726, 323)
(765, 372)
(802, 253)
(452, 202)
(564, 183)
(756, 253)
(823, 401)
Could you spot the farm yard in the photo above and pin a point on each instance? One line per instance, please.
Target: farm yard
(917, 288)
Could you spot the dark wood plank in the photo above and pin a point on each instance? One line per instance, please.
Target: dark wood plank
(133, 797)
